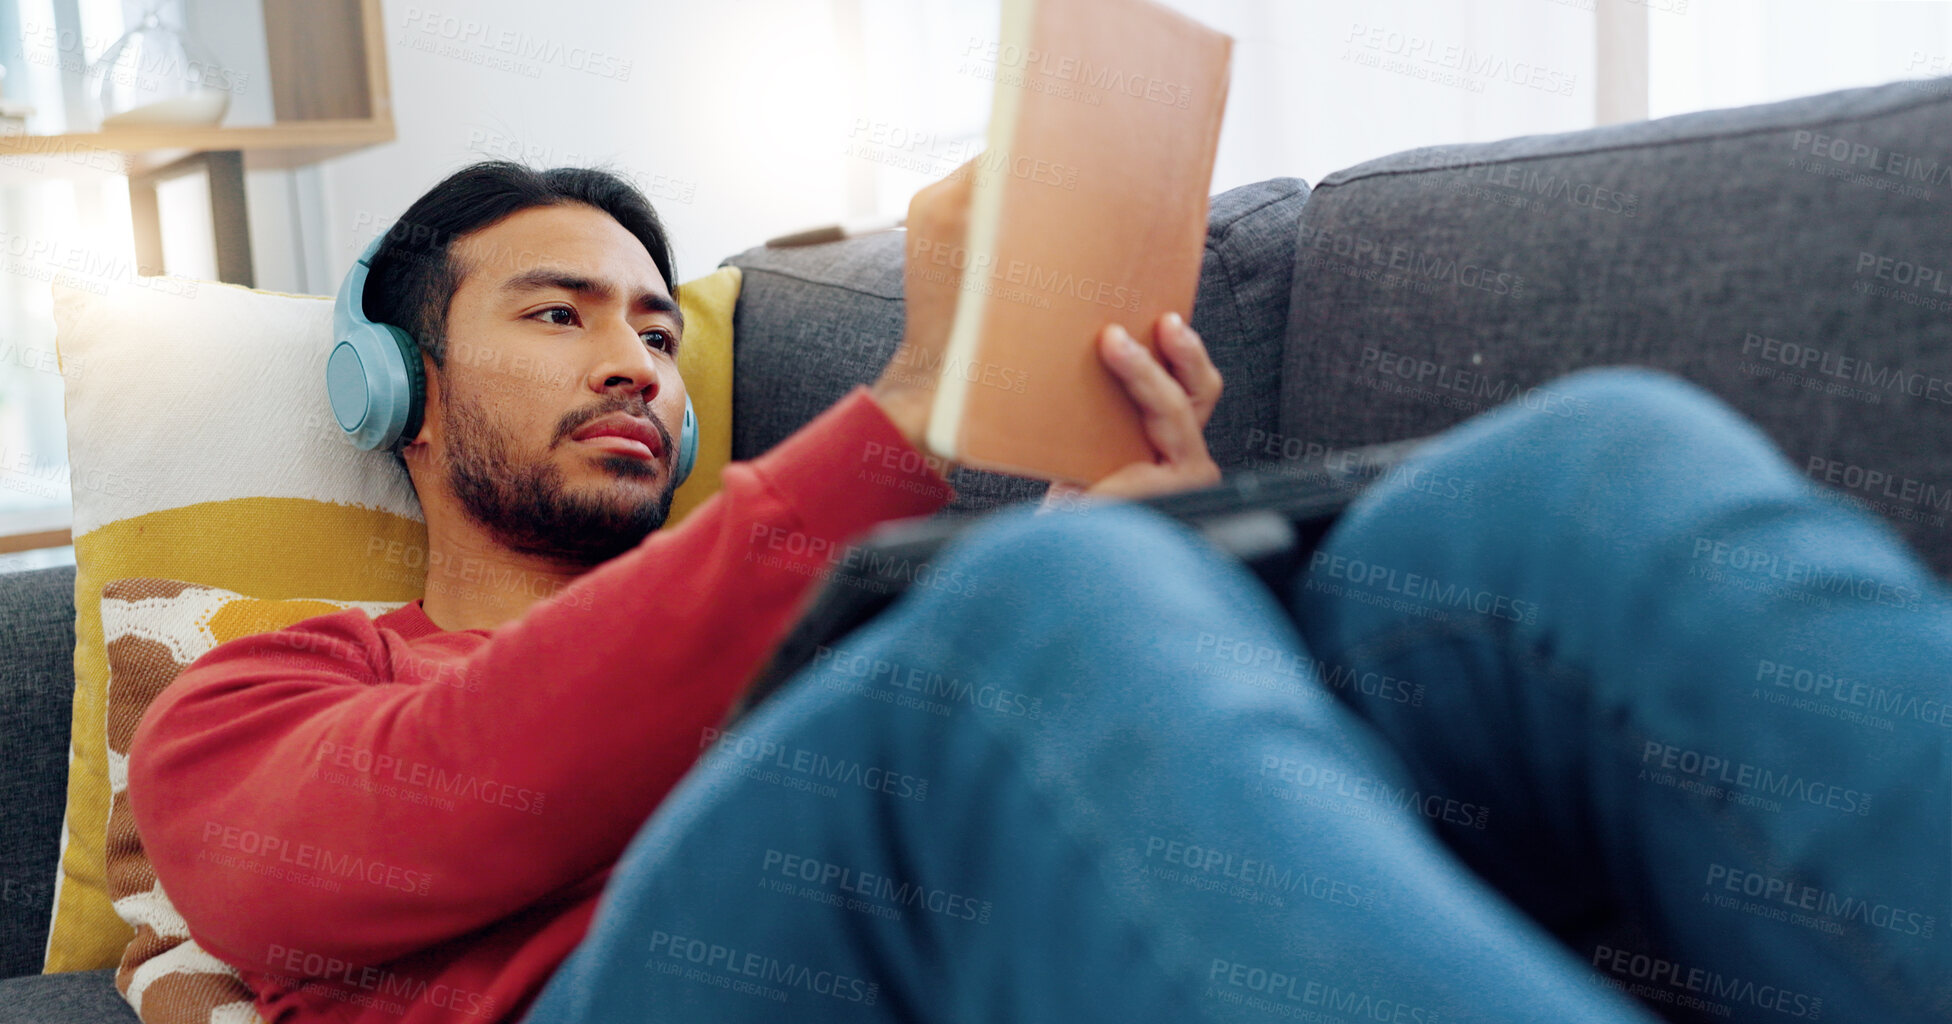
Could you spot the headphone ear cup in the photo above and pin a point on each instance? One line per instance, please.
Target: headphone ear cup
(416, 382)
(376, 385)
(688, 442)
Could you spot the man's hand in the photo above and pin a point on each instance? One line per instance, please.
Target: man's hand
(938, 223)
(1175, 407)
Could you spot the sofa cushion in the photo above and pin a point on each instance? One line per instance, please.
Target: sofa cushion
(153, 629)
(77, 997)
(1795, 259)
(817, 320)
(37, 649)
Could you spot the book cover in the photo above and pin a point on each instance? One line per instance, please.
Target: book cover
(1089, 207)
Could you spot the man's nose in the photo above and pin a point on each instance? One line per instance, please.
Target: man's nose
(625, 364)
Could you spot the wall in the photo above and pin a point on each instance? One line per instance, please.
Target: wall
(746, 119)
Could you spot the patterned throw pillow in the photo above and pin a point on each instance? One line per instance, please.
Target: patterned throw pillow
(202, 448)
(153, 629)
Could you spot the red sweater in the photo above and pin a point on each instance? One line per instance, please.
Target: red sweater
(376, 820)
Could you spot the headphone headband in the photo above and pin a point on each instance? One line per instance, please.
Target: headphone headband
(377, 385)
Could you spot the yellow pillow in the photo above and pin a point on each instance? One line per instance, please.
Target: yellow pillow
(155, 629)
(202, 448)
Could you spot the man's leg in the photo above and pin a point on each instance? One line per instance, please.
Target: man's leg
(1082, 772)
(1707, 706)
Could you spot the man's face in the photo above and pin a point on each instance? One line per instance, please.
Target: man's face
(561, 345)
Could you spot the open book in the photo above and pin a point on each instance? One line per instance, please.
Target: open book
(1089, 207)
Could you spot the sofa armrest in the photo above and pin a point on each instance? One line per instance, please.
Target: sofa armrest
(37, 646)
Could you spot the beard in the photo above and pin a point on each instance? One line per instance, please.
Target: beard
(527, 508)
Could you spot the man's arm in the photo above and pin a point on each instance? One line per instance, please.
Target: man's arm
(296, 755)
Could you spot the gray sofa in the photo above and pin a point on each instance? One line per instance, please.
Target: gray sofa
(1795, 259)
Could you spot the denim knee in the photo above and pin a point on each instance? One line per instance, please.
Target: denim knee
(1546, 504)
(1614, 422)
(1113, 544)
(1054, 587)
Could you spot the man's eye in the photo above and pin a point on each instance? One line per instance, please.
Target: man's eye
(549, 315)
(658, 336)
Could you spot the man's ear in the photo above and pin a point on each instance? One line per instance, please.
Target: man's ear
(430, 407)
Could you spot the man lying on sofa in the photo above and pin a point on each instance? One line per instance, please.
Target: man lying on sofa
(593, 700)
(1151, 827)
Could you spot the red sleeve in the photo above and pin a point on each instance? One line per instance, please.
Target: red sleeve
(574, 722)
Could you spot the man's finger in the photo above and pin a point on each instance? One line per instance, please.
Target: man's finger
(1191, 363)
(1163, 404)
(939, 214)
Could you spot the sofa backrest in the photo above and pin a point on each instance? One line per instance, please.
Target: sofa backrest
(37, 656)
(815, 321)
(1795, 259)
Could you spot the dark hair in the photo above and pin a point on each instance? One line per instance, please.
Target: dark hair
(413, 280)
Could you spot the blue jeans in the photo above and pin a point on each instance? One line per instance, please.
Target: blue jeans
(1591, 712)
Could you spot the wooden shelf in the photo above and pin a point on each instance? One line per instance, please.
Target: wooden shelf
(32, 530)
(283, 144)
(215, 137)
(329, 96)
(329, 89)
(279, 135)
(35, 541)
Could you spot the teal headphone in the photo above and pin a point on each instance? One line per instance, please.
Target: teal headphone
(377, 385)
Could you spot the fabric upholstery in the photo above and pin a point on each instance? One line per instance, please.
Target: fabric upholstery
(37, 647)
(77, 997)
(1795, 259)
(817, 320)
